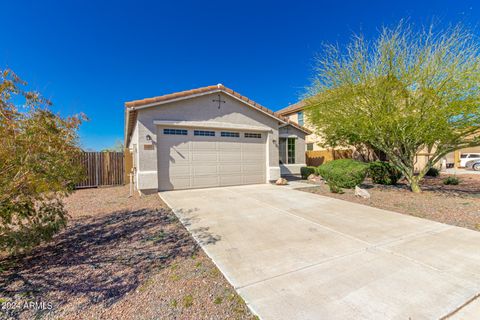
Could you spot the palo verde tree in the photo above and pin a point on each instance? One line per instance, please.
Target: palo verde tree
(37, 165)
(405, 92)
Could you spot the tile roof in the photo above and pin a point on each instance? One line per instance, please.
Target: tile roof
(132, 105)
(292, 108)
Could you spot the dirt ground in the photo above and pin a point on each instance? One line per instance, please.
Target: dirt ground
(119, 258)
(456, 205)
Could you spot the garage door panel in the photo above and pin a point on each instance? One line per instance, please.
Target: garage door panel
(229, 156)
(256, 156)
(251, 179)
(176, 171)
(177, 156)
(203, 145)
(205, 170)
(229, 146)
(197, 161)
(205, 181)
(253, 162)
(247, 147)
(204, 156)
(230, 169)
(179, 183)
(231, 180)
(252, 167)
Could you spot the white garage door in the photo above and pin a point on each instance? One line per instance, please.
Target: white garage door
(200, 158)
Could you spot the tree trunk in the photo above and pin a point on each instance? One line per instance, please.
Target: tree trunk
(414, 184)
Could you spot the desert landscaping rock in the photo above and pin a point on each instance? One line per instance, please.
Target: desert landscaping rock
(362, 193)
(457, 205)
(315, 179)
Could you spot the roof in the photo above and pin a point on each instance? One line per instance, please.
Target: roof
(292, 108)
(133, 106)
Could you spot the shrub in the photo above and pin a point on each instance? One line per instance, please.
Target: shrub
(343, 173)
(433, 172)
(383, 173)
(306, 171)
(38, 164)
(451, 181)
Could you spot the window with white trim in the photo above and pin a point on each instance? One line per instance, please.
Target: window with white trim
(230, 134)
(181, 132)
(291, 150)
(300, 117)
(253, 135)
(204, 133)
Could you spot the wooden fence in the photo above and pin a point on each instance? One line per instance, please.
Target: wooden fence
(318, 157)
(102, 169)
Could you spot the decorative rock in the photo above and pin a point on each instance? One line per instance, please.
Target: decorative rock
(362, 193)
(314, 178)
(281, 182)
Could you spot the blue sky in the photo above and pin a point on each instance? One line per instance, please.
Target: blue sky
(92, 56)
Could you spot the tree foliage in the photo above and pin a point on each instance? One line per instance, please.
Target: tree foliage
(117, 147)
(383, 173)
(37, 165)
(407, 91)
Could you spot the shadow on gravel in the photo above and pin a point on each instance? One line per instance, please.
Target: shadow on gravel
(96, 260)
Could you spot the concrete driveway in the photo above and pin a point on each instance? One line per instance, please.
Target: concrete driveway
(296, 255)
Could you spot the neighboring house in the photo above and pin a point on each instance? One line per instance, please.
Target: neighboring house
(209, 137)
(296, 113)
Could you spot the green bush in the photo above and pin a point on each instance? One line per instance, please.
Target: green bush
(433, 172)
(383, 173)
(306, 171)
(39, 165)
(343, 173)
(451, 181)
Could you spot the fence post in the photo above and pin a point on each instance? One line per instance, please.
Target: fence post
(97, 169)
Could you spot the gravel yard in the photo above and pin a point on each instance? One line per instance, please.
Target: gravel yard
(119, 258)
(456, 205)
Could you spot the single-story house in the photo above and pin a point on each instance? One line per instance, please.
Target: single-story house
(209, 137)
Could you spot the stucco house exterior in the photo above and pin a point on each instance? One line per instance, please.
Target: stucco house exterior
(295, 112)
(209, 137)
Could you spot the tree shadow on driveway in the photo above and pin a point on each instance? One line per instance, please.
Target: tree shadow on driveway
(95, 260)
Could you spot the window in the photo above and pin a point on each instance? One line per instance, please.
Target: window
(464, 156)
(473, 155)
(230, 134)
(204, 133)
(291, 150)
(181, 132)
(253, 135)
(309, 146)
(300, 117)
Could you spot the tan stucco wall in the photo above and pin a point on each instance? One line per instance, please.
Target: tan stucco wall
(200, 108)
(311, 138)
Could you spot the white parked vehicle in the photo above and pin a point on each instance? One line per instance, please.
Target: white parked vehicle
(466, 157)
(473, 164)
